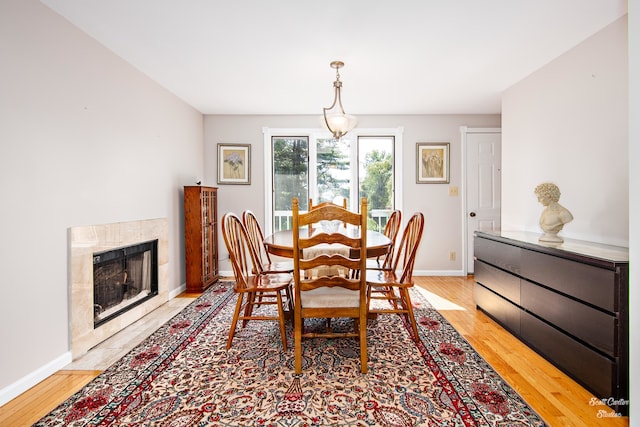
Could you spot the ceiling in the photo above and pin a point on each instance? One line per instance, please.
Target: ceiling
(401, 57)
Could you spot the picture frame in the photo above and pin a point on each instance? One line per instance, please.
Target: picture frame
(432, 162)
(234, 164)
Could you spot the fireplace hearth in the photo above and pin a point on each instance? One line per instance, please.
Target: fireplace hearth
(123, 278)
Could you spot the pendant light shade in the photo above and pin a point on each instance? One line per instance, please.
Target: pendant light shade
(338, 122)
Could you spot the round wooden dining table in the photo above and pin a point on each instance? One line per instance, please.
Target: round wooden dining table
(280, 243)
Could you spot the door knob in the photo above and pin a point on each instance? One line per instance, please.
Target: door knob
(472, 214)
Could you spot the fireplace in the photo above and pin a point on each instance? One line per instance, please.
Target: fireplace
(123, 278)
(90, 325)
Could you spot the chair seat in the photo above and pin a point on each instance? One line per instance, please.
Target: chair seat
(330, 297)
(278, 267)
(268, 282)
(377, 277)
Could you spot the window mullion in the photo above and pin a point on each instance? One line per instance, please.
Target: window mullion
(313, 166)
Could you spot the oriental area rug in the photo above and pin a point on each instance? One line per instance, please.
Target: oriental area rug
(182, 375)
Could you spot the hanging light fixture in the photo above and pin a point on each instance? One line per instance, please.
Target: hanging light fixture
(338, 122)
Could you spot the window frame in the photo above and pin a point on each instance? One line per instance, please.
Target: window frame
(313, 134)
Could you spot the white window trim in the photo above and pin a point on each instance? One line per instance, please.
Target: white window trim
(314, 133)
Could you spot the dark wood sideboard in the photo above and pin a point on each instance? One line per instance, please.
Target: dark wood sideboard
(569, 302)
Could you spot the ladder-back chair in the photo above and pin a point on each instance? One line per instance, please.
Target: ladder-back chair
(335, 296)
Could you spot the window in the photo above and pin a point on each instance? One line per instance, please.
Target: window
(290, 166)
(376, 178)
(311, 164)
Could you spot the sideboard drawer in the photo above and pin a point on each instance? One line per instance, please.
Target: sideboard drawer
(591, 369)
(588, 283)
(499, 281)
(586, 323)
(507, 314)
(506, 257)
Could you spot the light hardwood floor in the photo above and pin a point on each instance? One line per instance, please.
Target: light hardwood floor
(559, 400)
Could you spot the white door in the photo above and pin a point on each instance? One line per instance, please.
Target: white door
(483, 151)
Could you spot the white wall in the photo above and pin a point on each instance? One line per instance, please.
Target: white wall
(568, 123)
(85, 139)
(634, 204)
(443, 213)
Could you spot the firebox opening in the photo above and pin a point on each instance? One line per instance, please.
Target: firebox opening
(123, 278)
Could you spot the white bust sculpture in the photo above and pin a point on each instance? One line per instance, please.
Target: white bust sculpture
(554, 216)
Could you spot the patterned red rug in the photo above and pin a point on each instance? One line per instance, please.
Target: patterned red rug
(183, 376)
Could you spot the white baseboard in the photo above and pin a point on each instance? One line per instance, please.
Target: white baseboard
(175, 292)
(25, 383)
(438, 273)
(415, 273)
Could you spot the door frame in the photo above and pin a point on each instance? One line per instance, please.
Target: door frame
(464, 130)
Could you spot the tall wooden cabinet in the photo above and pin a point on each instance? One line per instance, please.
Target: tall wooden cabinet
(201, 237)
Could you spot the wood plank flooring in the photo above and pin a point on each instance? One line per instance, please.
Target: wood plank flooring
(558, 399)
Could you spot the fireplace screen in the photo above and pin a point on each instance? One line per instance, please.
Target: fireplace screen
(123, 278)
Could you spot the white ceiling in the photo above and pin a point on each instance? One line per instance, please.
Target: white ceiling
(401, 56)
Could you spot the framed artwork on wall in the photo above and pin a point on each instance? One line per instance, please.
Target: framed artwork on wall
(432, 163)
(234, 164)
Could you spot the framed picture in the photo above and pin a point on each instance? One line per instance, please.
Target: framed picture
(234, 164)
(432, 163)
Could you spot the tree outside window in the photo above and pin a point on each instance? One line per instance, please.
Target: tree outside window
(324, 172)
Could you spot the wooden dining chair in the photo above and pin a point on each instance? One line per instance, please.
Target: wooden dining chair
(264, 263)
(254, 290)
(323, 296)
(319, 205)
(382, 283)
(391, 231)
(312, 229)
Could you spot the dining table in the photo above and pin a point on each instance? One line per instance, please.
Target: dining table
(280, 243)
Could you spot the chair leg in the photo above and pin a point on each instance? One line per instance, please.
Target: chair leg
(283, 331)
(289, 299)
(234, 321)
(369, 291)
(362, 332)
(297, 338)
(406, 302)
(248, 308)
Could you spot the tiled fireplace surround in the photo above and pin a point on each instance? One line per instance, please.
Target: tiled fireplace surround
(84, 241)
